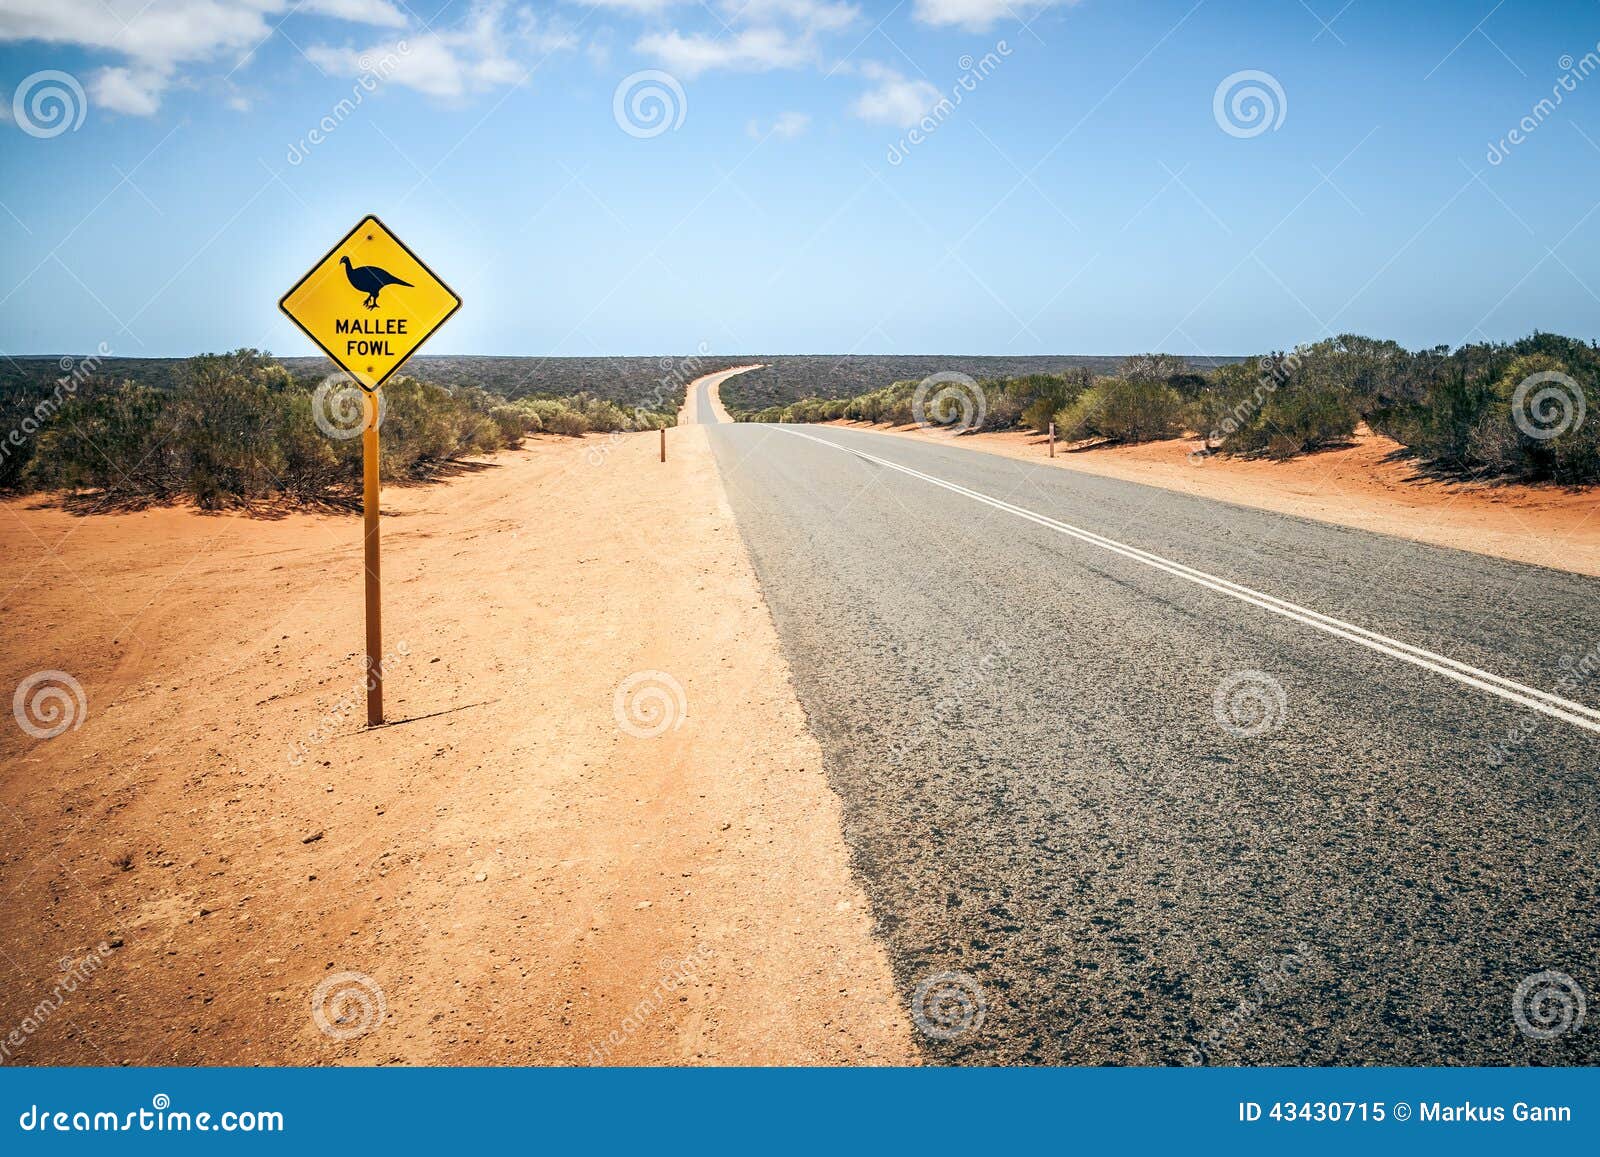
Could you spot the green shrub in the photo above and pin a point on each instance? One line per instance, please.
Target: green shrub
(643, 419)
(1311, 398)
(1461, 411)
(1043, 396)
(314, 464)
(1120, 410)
(898, 412)
(226, 419)
(1529, 425)
(1297, 419)
(542, 409)
(1232, 396)
(423, 426)
(111, 436)
(598, 414)
(513, 422)
(568, 422)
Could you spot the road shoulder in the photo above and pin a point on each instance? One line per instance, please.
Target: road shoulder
(518, 870)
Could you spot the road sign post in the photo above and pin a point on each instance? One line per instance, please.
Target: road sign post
(374, 571)
(368, 304)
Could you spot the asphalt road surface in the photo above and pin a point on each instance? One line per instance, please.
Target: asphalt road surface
(1144, 815)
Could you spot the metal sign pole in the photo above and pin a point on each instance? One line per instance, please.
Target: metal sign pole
(369, 519)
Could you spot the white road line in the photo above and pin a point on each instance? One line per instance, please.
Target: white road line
(1534, 699)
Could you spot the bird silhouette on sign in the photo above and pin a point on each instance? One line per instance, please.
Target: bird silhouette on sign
(370, 280)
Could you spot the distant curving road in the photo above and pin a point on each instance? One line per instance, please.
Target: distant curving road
(1163, 780)
(703, 405)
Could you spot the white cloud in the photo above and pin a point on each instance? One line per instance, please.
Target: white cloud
(811, 15)
(163, 33)
(378, 12)
(977, 14)
(134, 91)
(787, 126)
(791, 124)
(633, 5)
(770, 34)
(156, 38)
(598, 49)
(814, 15)
(753, 50)
(894, 99)
(487, 50)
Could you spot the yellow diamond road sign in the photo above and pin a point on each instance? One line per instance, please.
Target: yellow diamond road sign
(370, 303)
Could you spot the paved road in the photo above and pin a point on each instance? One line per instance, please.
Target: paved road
(1046, 791)
(700, 411)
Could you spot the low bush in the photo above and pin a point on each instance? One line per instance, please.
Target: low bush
(1120, 410)
(568, 422)
(236, 429)
(1043, 396)
(1528, 410)
(514, 423)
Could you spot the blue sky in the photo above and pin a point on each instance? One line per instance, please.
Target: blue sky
(1087, 194)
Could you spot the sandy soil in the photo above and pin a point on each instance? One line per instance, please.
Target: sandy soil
(1364, 486)
(220, 864)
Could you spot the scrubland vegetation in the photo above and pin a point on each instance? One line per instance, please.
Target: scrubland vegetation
(786, 378)
(629, 382)
(239, 429)
(1527, 410)
(243, 428)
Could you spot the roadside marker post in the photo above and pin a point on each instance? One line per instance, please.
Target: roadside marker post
(1052, 439)
(368, 304)
(663, 443)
